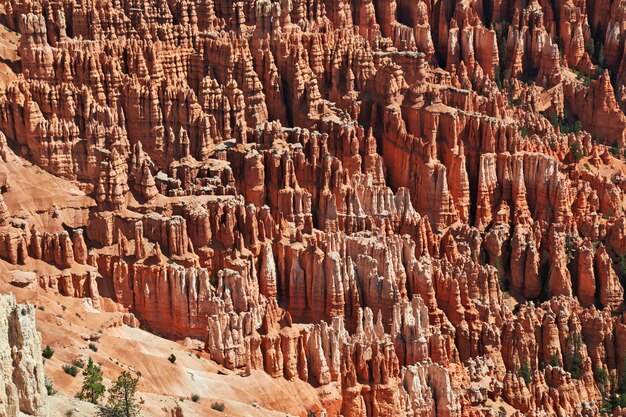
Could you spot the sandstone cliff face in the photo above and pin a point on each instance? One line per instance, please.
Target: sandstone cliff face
(22, 385)
(408, 203)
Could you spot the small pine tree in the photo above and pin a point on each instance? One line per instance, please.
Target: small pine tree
(574, 360)
(554, 360)
(569, 244)
(622, 264)
(617, 395)
(122, 401)
(601, 376)
(578, 125)
(48, 352)
(590, 47)
(524, 372)
(601, 56)
(93, 388)
(621, 382)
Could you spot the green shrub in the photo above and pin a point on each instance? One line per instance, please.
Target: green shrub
(576, 151)
(569, 247)
(218, 406)
(47, 352)
(564, 125)
(93, 347)
(616, 397)
(581, 77)
(172, 358)
(79, 363)
(195, 398)
(70, 370)
(49, 386)
(523, 130)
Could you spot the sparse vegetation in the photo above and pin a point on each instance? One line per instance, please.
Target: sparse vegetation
(49, 386)
(569, 247)
(92, 389)
(601, 56)
(601, 376)
(70, 370)
(590, 46)
(502, 30)
(93, 347)
(122, 401)
(613, 392)
(622, 264)
(554, 360)
(523, 131)
(616, 150)
(564, 125)
(524, 372)
(48, 352)
(576, 152)
(581, 77)
(79, 363)
(172, 358)
(195, 398)
(574, 359)
(218, 406)
(482, 257)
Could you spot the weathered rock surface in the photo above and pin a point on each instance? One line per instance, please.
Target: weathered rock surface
(22, 386)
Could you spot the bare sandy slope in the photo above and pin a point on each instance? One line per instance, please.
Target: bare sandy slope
(51, 200)
(67, 323)
(9, 41)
